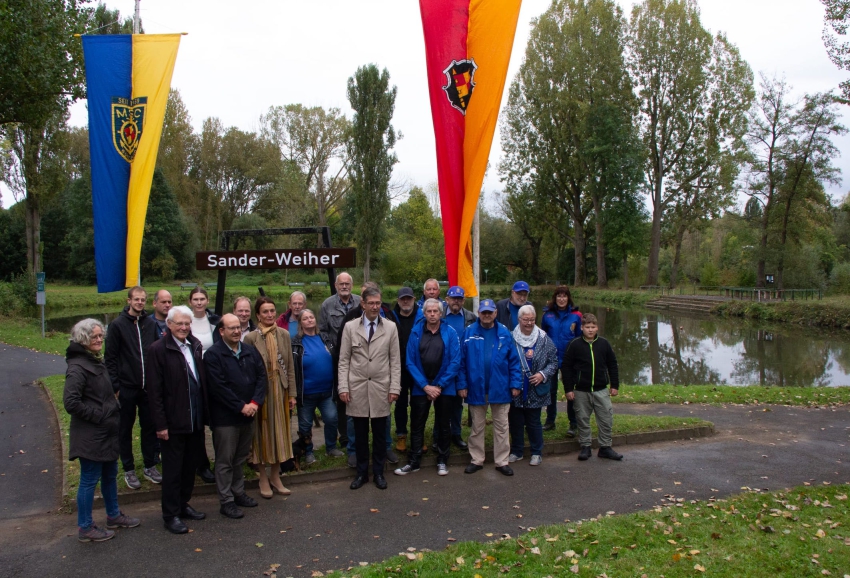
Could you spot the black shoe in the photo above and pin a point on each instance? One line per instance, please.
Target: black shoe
(231, 510)
(548, 426)
(380, 482)
(607, 452)
(391, 456)
(472, 468)
(458, 442)
(506, 470)
(571, 433)
(176, 526)
(434, 447)
(191, 513)
(245, 501)
(206, 475)
(358, 482)
(585, 453)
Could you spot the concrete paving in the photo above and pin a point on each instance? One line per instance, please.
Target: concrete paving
(327, 526)
(30, 455)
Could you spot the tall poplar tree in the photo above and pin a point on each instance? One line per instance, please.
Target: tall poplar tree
(370, 142)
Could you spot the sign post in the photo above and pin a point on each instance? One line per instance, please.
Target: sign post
(40, 298)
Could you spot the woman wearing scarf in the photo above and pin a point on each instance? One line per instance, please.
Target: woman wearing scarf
(272, 437)
(539, 362)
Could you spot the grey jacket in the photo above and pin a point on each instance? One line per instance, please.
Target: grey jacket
(332, 315)
(89, 398)
(369, 371)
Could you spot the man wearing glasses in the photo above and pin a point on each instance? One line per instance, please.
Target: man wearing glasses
(489, 375)
(369, 381)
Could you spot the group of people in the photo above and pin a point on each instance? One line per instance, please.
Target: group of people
(184, 368)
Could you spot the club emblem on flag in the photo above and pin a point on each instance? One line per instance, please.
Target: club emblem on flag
(128, 121)
(460, 77)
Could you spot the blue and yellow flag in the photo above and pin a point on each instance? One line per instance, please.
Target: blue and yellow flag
(128, 78)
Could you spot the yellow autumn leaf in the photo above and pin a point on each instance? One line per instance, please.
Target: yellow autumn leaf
(460, 560)
(699, 568)
(694, 552)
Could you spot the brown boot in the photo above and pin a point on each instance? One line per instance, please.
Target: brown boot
(401, 443)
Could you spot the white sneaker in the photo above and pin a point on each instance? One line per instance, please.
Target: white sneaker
(514, 458)
(408, 469)
(536, 460)
(442, 470)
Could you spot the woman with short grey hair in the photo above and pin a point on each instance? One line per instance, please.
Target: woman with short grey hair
(93, 406)
(539, 362)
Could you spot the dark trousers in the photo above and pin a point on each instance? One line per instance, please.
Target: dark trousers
(201, 450)
(130, 399)
(552, 408)
(379, 444)
(179, 461)
(342, 423)
(528, 419)
(455, 409)
(232, 446)
(401, 405)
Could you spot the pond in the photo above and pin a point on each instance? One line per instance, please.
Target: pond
(669, 347)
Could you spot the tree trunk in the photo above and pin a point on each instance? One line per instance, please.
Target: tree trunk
(655, 246)
(625, 272)
(674, 270)
(367, 250)
(760, 272)
(580, 244)
(601, 271)
(33, 220)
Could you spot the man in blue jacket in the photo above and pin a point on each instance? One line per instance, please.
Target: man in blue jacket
(489, 374)
(236, 382)
(433, 359)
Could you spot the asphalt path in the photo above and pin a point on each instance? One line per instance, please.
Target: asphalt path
(30, 455)
(328, 526)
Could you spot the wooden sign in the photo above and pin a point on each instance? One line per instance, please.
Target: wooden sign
(276, 259)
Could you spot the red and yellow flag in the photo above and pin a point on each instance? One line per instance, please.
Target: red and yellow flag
(467, 46)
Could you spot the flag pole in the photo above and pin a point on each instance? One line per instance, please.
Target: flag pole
(136, 19)
(476, 258)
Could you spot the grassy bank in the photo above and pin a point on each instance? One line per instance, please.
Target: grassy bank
(725, 394)
(833, 312)
(27, 333)
(624, 424)
(797, 532)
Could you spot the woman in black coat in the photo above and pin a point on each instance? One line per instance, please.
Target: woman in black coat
(93, 406)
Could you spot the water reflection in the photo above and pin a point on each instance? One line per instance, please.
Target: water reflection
(676, 348)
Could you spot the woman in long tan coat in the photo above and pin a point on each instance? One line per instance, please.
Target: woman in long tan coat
(272, 436)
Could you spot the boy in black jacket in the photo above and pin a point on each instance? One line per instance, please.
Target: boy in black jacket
(589, 366)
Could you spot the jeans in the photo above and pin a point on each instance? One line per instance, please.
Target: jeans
(326, 406)
(552, 408)
(352, 447)
(528, 419)
(91, 473)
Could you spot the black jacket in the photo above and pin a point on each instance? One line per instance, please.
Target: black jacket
(581, 359)
(232, 382)
(89, 398)
(298, 358)
(127, 338)
(503, 313)
(168, 385)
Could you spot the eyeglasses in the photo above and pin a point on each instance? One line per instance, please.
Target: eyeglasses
(96, 337)
(530, 320)
(373, 304)
(181, 323)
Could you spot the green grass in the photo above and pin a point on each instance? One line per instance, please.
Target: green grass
(27, 333)
(828, 312)
(798, 532)
(723, 394)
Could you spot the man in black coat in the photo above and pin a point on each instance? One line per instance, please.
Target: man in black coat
(128, 337)
(177, 394)
(236, 377)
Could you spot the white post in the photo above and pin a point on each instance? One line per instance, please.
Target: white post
(476, 257)
(136, 19)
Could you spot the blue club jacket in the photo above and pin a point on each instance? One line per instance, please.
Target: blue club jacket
(505, 371)
(556, 323)
(447, 376)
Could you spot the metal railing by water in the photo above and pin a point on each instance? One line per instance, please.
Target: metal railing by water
(758, 294)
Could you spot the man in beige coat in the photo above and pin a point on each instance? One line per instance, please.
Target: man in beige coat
(369, 381)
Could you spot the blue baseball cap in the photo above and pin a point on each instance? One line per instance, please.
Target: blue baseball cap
(486, 305)
(520, 286)
(455, 292)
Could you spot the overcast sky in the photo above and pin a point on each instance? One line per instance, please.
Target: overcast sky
(240, 58)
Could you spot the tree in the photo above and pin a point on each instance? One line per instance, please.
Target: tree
(370, 140)
(167, 248)
(573, 76)
(528, 212)
(313, 139)
(40, 60)
(694, 92)
(35, 171)
(176, 147)
(415, 245)
(835, 23)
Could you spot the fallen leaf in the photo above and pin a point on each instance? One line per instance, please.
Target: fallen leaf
(489, 534)
(574, 568)
(412, 514)
(451, 539)
(316, 574)
(485, 507)
(671, 541)
(198, 550)
(373, 510)
(699, 568)
(535, 550)
(411, 556)
(570, 554)
(259, 544)
(694, 552)
(677, 557)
